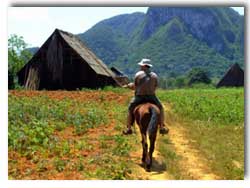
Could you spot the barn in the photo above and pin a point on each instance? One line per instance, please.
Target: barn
(120, 76)
(234, 77)
(64, 62)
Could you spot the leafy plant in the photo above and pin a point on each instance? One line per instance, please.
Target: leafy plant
(122, 147)
(217, 106)
(59, 164)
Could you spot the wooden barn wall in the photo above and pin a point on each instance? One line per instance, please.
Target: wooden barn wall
(58, 66)
(76, 72)
(54, 62)
(33, 77)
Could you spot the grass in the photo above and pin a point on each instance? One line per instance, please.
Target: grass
(171, 158)
(115, 89)
(214, 118)
(223, 146)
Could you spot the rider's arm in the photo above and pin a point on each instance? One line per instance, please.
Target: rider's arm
(130, 86)
(134, 84)
(156, 80)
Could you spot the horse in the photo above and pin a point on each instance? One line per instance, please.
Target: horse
(147, 117)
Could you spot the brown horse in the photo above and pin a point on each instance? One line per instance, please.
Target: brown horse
(147, 117)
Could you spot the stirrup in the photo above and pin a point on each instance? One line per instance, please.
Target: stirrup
(127, 132)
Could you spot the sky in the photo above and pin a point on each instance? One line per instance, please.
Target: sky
(36, 24)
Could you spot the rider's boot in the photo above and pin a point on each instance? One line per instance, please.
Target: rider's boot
(130, 122)
(163, 128)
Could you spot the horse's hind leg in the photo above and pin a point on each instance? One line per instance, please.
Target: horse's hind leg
(144, 147)
(146, 155)
(152, 139)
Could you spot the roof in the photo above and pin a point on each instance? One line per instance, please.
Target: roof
(233, 77)
(94, 62)
(117, 71)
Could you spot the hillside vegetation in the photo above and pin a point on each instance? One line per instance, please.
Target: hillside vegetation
(176, 39)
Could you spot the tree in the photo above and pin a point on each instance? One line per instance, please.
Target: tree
(18, 55)
(163, 83)
(198, 75)
(10, 80)
(180, 82)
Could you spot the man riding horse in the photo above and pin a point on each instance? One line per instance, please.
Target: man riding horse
(145, 84)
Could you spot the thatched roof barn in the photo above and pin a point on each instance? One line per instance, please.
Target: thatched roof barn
(64, 62)
(234, 77)
(120, 76)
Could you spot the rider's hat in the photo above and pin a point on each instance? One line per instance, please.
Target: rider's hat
(145, 62)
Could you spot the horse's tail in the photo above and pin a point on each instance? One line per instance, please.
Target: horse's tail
(153, 121)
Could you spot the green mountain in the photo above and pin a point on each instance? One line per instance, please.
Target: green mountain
(109, 38)
(175, 39)
(33, 50)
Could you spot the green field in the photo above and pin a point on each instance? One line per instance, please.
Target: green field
(214, 118)
(77, 135)
(216, 106)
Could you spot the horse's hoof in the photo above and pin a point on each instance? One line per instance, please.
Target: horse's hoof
(148, 169)
(127, 132)
(143, 160)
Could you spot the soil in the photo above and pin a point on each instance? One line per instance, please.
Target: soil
(192, 163)
(76, 95)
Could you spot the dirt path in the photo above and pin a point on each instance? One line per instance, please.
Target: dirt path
(192, 163)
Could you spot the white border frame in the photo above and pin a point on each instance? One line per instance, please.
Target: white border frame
(5, 183)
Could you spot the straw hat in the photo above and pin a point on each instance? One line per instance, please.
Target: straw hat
(145, 62)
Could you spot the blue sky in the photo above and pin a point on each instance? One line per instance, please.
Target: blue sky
(36, 24)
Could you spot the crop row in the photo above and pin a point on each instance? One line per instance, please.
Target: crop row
(218, 106)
